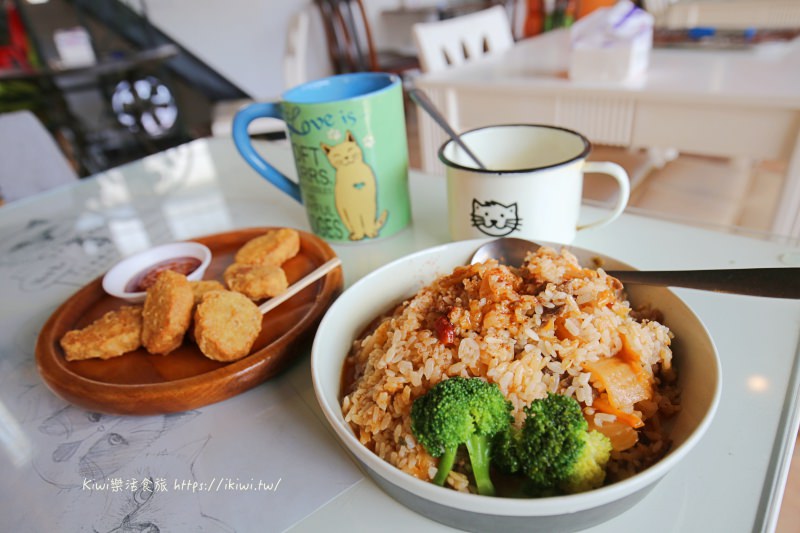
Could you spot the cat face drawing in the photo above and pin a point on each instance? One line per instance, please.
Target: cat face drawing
(495, 219)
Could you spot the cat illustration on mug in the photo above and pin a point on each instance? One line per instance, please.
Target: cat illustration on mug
(355, 189)
(495, 219)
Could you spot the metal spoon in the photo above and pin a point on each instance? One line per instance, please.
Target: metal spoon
(771, 282)
(425, 103)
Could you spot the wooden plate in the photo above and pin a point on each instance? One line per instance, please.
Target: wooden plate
(139, 383)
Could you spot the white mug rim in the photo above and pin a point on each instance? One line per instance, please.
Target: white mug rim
(587, 147)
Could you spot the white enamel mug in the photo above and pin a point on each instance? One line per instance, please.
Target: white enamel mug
(531, 187)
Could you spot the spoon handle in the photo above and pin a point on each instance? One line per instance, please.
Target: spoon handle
(771, 282)
(425, 103)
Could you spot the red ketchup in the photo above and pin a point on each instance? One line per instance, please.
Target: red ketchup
(145, 279)
(445, 331)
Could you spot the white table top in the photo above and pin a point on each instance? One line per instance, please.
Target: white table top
(767, 74)
(274, 434)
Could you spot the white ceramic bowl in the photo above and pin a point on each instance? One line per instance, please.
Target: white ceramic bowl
(117, 280)
(695, 357)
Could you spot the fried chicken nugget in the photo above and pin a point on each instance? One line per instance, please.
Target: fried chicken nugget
(200, 287)
(113, 334)
(273, 248)
(256, 281)
(226, 324)
(167, 312)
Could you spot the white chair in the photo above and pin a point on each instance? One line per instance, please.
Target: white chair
(295, 72)
(446, 43)
(30, 160)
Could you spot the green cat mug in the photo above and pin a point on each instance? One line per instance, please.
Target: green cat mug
(348, 138)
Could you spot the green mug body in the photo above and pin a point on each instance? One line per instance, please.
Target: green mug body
(348, 138)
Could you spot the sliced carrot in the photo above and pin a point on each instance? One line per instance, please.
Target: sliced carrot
(561, 329)
(604, 406)
(627, 352)
(619, 380)
(621, 436)
(634, 359)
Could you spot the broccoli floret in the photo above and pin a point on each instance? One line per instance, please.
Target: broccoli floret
(504, 450)
(460, 411)
(554, 448)
(589, 471)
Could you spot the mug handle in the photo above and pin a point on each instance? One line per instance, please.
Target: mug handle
(621, 177)
(241, 139)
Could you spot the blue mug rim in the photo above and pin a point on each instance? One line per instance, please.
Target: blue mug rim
(364, 84)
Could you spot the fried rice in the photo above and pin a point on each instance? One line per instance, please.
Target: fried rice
(548, 326)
